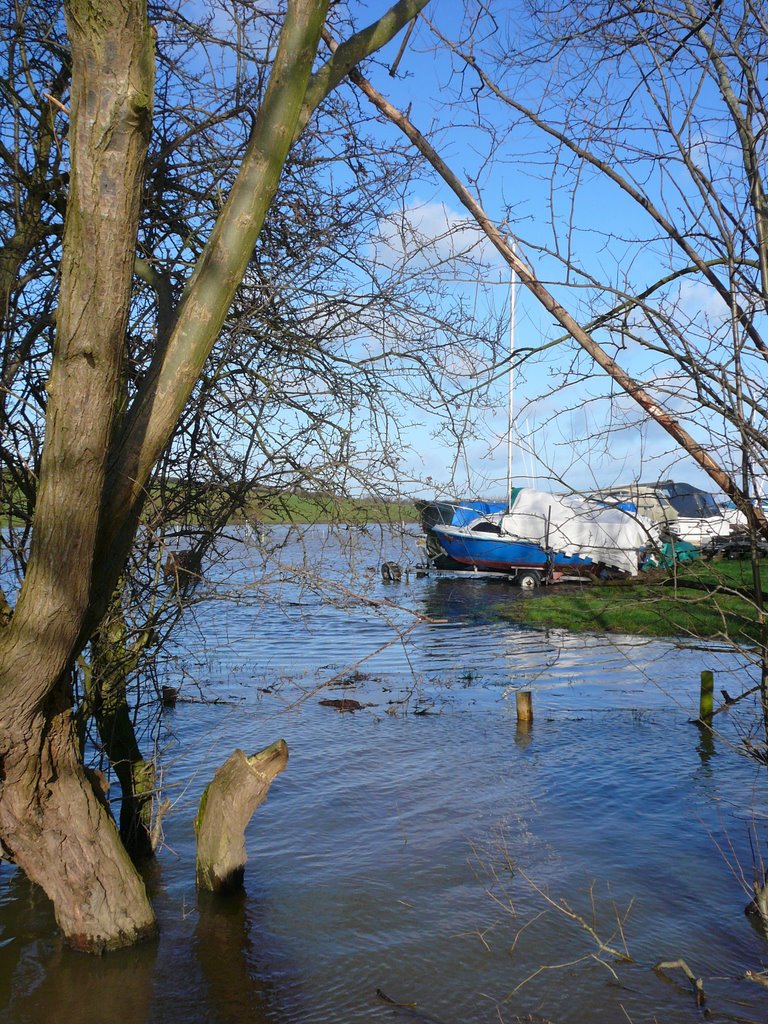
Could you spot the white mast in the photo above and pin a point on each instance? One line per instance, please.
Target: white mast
(511, 409)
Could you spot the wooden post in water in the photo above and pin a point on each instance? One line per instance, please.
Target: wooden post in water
(706, 698)
(524, 704)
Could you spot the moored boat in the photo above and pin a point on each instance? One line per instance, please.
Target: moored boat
(538, 536)
(683, 511)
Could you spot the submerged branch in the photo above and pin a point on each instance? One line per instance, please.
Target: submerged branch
(697, 983)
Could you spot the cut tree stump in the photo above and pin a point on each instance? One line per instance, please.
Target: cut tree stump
(239, 786)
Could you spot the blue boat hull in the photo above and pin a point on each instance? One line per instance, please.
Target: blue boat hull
(499, 554)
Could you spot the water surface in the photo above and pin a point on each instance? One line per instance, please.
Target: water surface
(427, 846)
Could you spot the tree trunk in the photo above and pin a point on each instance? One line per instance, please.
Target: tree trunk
(57, 827)
(50, 818)
(291, 97)
(111, 664)
(239, 786)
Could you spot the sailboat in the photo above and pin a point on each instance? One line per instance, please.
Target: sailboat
(534, 536)
(542, 537)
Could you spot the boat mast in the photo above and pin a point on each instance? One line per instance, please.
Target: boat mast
(511, 408)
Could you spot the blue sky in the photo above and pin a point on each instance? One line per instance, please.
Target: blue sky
(572, 428)
(583, 434)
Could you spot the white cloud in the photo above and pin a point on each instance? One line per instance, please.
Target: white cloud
(432, 234)
(700, 299)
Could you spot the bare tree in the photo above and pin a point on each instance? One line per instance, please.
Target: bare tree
(658, 112)
(663, 105)
(99, 452)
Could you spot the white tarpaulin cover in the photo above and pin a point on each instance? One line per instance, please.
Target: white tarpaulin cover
(574, 526)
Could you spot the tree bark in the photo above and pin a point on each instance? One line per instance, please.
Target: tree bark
(111, 664)
(50, 818)
(57, 828)
(239, 786)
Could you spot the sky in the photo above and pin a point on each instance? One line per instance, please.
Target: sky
(575, 434)
(571, 428)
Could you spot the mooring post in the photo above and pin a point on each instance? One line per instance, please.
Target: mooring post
(706, 698)
(524, 704)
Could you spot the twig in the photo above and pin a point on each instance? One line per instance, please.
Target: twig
(157, 825)
(520, 931)
(620, 923)
(401, 51)
(547, 967)
(698, 984)
(56, 103)
(406, 1009)
(605, 964)
(564, 908)
(729, 701)
(398, 638)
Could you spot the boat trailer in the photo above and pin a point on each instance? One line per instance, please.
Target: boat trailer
(523, 577)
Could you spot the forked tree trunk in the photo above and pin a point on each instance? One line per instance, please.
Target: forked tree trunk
(50, 818)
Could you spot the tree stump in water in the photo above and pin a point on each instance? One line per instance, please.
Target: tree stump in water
(239, 786)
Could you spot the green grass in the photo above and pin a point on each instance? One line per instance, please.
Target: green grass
(701, 600)
(189, 502)
(312, 508)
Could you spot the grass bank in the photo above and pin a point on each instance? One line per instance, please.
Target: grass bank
(306, 508)
(701, 599)
(195, 501)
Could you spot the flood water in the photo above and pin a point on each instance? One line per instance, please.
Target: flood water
(428, 847)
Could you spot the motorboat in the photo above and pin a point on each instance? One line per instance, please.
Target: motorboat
(683, 511)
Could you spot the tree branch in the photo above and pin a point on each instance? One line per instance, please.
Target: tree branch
(754, 515)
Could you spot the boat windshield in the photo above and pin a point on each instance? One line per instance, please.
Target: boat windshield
(691, 503)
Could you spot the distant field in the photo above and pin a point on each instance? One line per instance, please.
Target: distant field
(182, 500)
(300, 508)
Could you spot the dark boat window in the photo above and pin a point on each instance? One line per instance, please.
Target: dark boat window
(691, 502)
(487, 528)
(434, 512)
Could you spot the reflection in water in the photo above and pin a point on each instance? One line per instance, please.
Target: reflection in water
(228, 953)
(523, 733)
(414, 853)
(706, 744)
(41, 979)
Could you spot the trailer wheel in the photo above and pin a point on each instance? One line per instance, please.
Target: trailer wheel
(528, 579)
